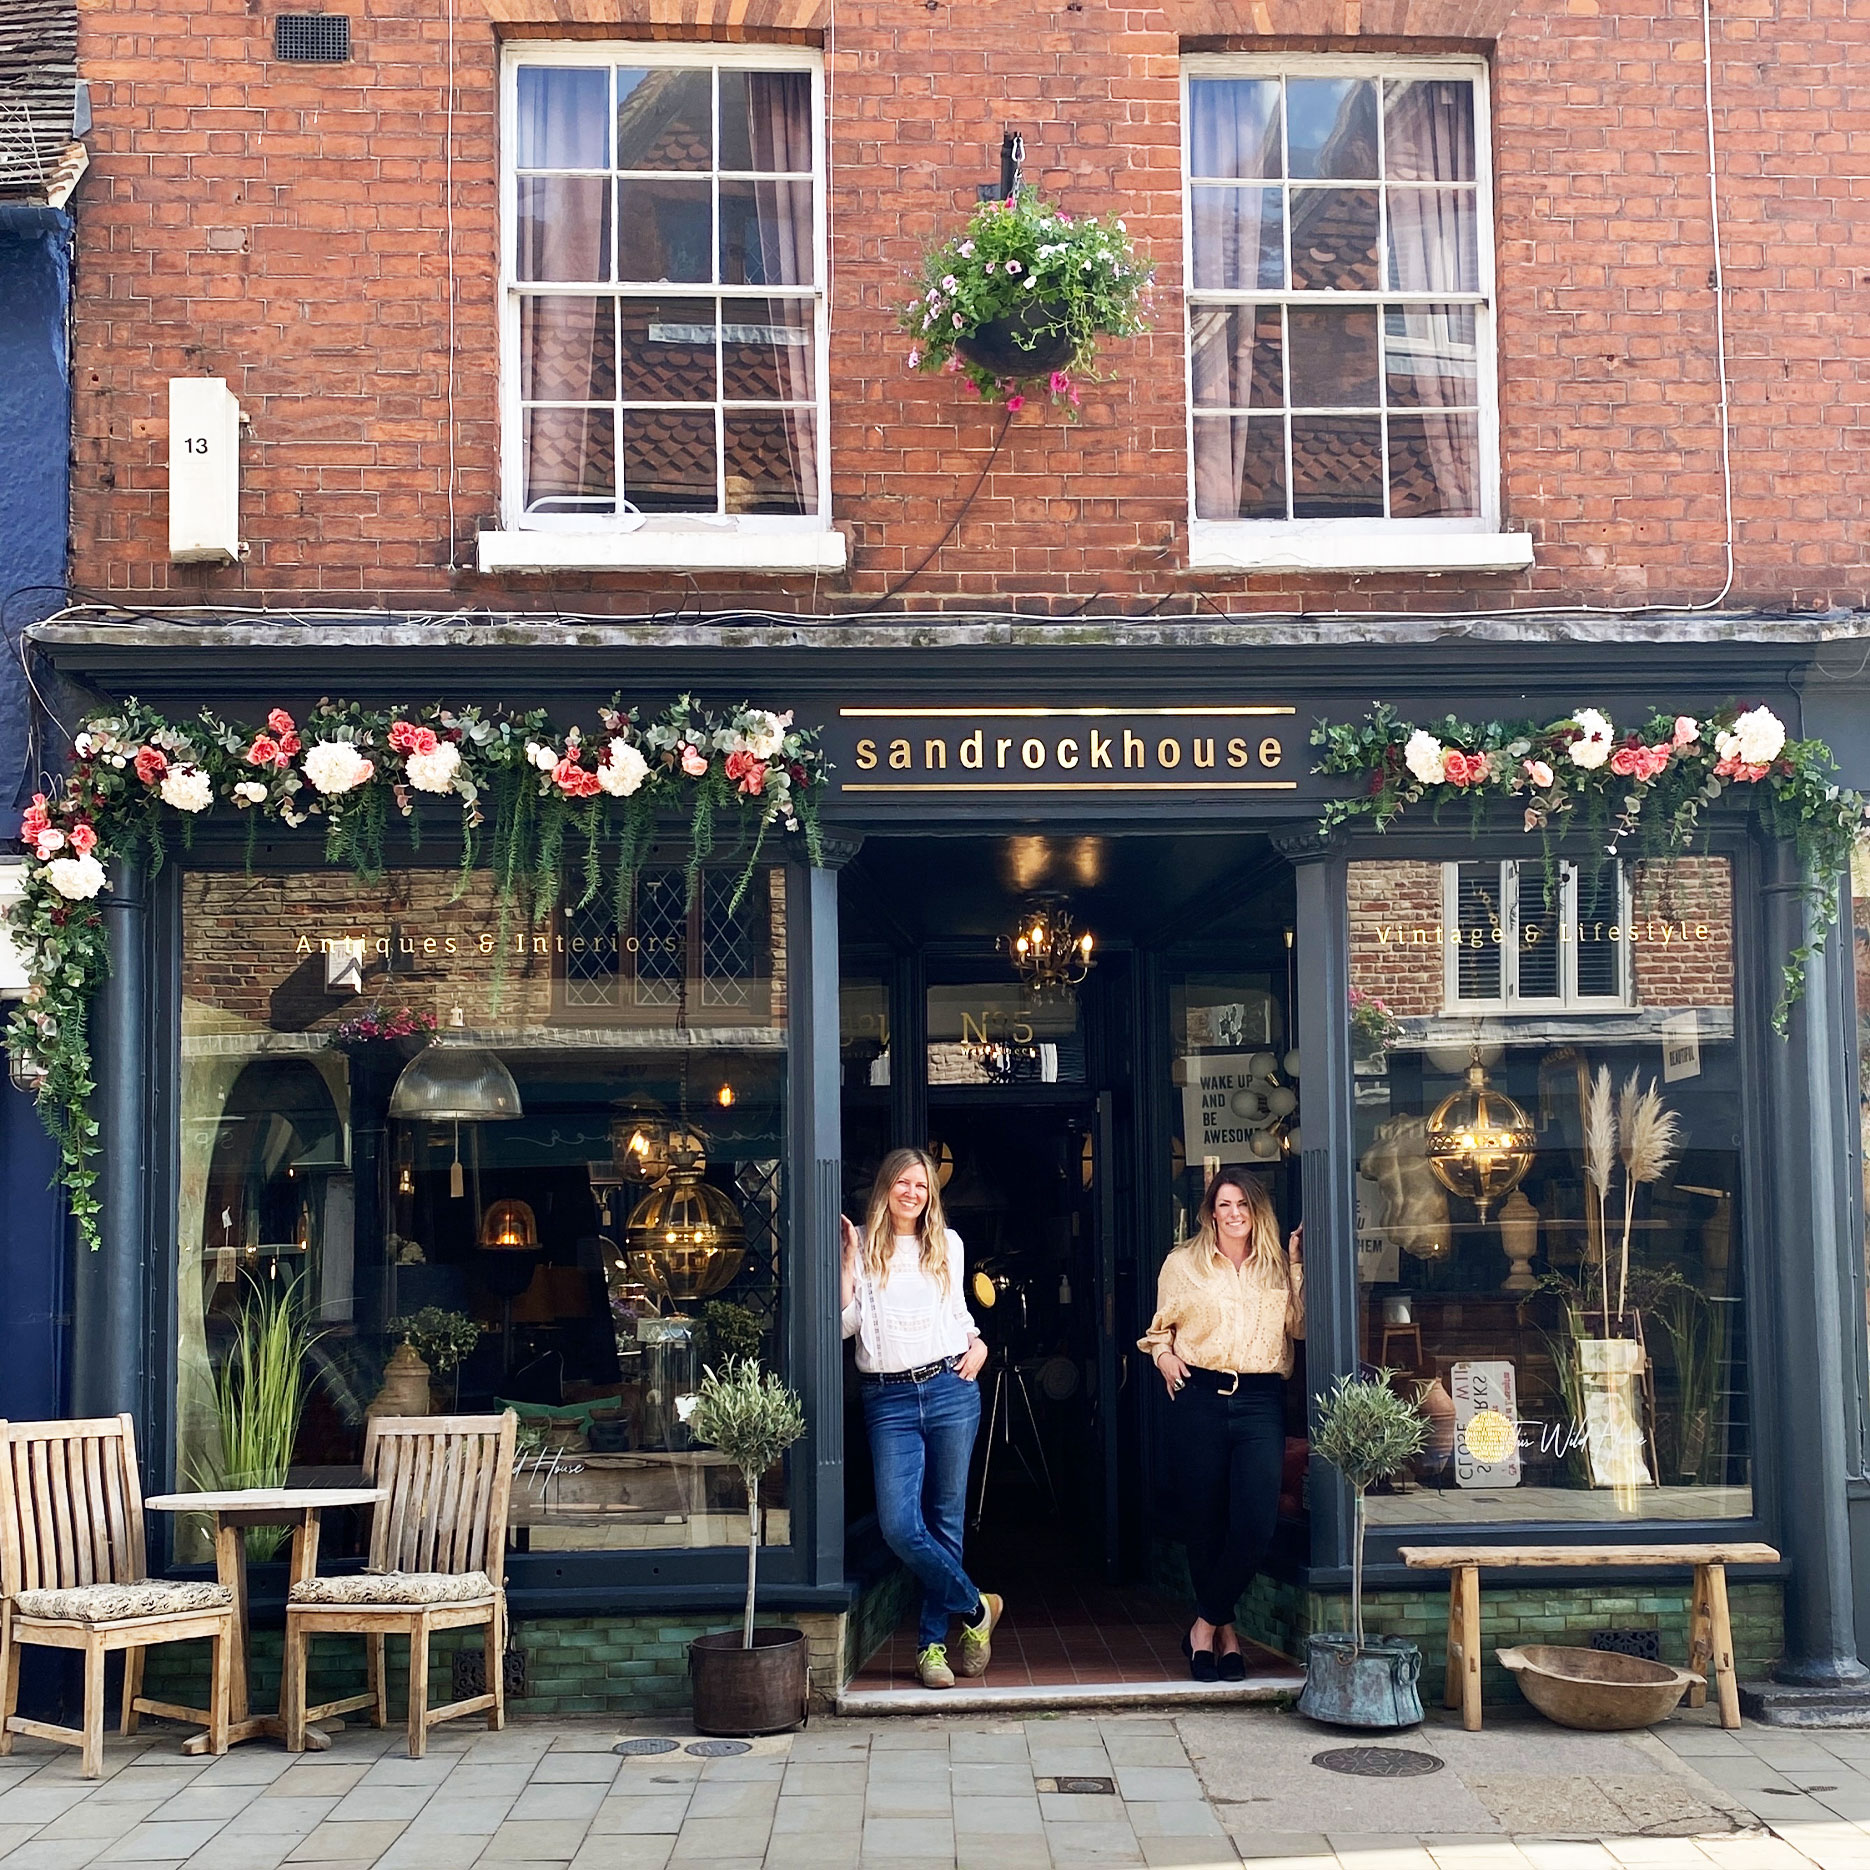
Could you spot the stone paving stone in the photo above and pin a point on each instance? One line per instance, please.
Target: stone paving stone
(752, 1799)
(1372, 1852)
(823, 1778)
(1185, 1853)
(582, 1767)
(246, 1765)
(239, 1853)
(398, 1770)
(911, 1839)
(12, 1836)
(1079, 1807)
(205, 1799)
(999, 1817)
(448, 1816)
(356, 1840)
(367, 1801)
(37, 1804)
(430, 1850)
(616, 1853)
(910, 1798)
(268, 1814)
(562, 1802)
(1092, 1841)
(712, 1839)
(765, 1769)
(1173, 1818)
(1299, 1846)
(500, 1779)
(583, 1740)
(994, 1748)
(1151, 1783)
(1055, 1762)
(1144, 1750)
(542, 1839)
(1001, 1853)
(788, 1850)
(912, 1763)
(98, 1819)
(54, 1854)
(889, 1736)
(635, 1814)
(825, 1814)
(160, 1843)
(317, 1779)
(993, 1779)
(143, 1782)
(832, 1746)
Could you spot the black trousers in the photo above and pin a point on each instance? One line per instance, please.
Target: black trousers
(1229, 1451)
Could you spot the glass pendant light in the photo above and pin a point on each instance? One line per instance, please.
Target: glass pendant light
(1480, 1143)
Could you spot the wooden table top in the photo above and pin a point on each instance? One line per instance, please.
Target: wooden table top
(266, 1499)
(1445, 1557)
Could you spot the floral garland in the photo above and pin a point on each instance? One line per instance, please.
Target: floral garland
(520, 786)
(1653, 783)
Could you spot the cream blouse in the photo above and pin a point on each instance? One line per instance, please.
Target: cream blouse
(1217, 1317)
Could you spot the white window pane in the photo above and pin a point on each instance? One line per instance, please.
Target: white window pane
(1240, 467)
(571, 461)
(665, 119)
(1332, 358)
(668, 350)
(1435, 465)
(1239, 239)
(1233, 127)
(766, 233)
(564, 228)
(567, 349)
(1480, 921)
(1428, 130)
(1334, 240)
(665, 230)
(766, 121)
(1538, 945)
(1337, 467)
(669, 460)
(768, 353)
(1237, 357)
(1331, 128)
(1434, 240)
(1430, 357)
(561, 117)
(771, 460)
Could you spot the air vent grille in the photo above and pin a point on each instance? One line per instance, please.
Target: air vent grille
(312, 38)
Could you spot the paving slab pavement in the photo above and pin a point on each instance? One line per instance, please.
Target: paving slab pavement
(1199, 1790)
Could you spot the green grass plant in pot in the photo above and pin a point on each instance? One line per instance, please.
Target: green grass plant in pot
(748, 1681)
(1368, 1433)
(1018, 299)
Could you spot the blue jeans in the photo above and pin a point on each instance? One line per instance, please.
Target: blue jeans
(921, 1441)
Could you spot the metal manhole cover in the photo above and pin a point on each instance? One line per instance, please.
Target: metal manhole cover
(637, 1749)
(1079, 1783)
(717, 1749)
(1378, 1762)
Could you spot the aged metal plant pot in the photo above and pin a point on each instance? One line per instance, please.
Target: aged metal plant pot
(1374, 1686)
(1596, 1689)
(996, 347)
(740, 1691)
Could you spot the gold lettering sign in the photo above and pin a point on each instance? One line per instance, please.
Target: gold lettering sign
(1231, 749)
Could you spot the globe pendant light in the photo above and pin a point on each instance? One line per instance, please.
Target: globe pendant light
(685, 1239)
(1479, 1143)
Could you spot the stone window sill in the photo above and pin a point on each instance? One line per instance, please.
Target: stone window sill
(657, 548)
(1333, 545)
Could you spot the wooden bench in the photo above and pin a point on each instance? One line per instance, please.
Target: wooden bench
(1710, 1637)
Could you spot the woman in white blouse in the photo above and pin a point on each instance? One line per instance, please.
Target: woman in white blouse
(918, 1355)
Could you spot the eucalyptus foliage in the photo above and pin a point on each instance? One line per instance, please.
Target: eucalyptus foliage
(750, 1415)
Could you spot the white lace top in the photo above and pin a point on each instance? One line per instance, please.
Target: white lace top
(908, 1321)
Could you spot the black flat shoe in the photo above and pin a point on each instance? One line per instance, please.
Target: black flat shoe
(1201, 1663)
(1232, 1666)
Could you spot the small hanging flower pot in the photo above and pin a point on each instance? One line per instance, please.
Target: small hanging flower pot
(1021, 297)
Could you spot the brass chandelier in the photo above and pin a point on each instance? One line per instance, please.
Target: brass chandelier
(1049, 952)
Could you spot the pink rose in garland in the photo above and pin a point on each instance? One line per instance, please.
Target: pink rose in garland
(694, 761)
(747, 772)
(150, 765)
(408, 737)
(83, 839)
(575, 781)
(265, 751)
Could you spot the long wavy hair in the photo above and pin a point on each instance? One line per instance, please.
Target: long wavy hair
(1265, 1250)
(880, 1228)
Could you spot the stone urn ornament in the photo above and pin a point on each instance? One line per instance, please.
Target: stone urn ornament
(405, 1388)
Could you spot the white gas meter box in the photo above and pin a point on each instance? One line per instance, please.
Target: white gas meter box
(204, 472)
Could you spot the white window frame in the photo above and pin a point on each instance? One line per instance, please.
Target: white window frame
(1509, 999)
(1363, 544)
(655, 541)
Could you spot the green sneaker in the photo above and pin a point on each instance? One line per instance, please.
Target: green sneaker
(976, 1644)
(932, 1669)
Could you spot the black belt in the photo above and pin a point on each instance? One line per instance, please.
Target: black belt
(920, 1374)
(1227, 1382)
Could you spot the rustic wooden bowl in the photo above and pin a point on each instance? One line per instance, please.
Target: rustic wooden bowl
(1595, 1688)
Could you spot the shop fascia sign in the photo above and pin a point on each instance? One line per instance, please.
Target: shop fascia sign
(1256, 748)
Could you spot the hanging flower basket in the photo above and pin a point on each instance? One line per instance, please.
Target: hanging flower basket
(1021, 296)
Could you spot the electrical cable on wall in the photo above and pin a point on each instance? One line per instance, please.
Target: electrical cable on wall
(448, 208)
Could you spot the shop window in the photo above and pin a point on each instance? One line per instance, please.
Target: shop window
(1523, 935)
(1340, 304)
(664, 337)
(992, 1032)
(1581, 1350)
(651, 1082)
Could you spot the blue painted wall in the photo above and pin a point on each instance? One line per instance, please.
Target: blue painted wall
(35, 508)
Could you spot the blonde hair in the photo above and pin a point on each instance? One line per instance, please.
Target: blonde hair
(880, 1225)
(1265, 1250)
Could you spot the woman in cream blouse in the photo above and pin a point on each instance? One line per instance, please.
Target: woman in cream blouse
(1228, 1305)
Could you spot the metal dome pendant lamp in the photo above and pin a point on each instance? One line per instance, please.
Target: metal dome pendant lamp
(455, 1084)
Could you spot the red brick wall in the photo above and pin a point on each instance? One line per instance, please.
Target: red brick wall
(284, 227)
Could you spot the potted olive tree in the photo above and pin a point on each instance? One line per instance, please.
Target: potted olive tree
(748, 1681)
(1368, 1433)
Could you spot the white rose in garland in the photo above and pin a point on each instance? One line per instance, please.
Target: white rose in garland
(1425, 757)
(1757, 738)
(187, 788)
(77, 879)
(623, 771)
(766, 733)
(335, 766)
(1595, 739)
(434, 772)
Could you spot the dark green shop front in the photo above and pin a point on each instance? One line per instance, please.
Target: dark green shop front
(1258, 993)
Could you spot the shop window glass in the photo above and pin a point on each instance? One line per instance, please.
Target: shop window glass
(1578, 1360)
(1860, 953)
(647, 1046)
(994, 1033)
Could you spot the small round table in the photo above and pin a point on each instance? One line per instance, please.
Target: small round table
(233, 1511)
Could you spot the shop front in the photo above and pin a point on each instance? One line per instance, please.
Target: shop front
(429, 1127)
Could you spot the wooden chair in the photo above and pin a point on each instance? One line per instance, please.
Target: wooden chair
(437, 1562)
(72, 1570)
